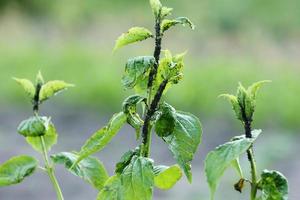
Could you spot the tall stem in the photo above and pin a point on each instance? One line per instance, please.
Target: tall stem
(50, 170)
(152, 105)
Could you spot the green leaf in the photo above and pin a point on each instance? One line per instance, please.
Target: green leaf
(27, 86)
(130, 109)
(39, 79)
(136, 71)
(133, 35)
(89, 169)
(274, 186)
(16, 169)
(165, 124)
(135, 183)
(253, 89)
(111, 190)
(156, 7)
(167, 23)
(165, 11)
(50, 139)
(184, 141)
(170, 68)
(138, 179)
(102, 137)
(218, 160)
(126, 159)
(235, 105)
(236, 165)
(166, 177)
(34, 126)
(51, 88)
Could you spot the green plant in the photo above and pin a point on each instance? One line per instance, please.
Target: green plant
(272, 184)
(150, 77)
(38, 131)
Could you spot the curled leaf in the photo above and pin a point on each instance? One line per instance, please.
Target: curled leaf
(239, 185)
(274, 185)
(130, 109)
(126, 159)
(165, 124)
(136, 71)
(167, 23)
(34, 126)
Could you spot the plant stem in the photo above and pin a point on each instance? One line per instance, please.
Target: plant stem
(156, 55)
(250, 155)
(50, 171)
(146, 131)
(49, 168)
(152, 105)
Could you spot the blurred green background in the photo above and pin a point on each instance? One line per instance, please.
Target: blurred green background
(234, 41)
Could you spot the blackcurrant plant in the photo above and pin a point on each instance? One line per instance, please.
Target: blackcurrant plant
(136, 174)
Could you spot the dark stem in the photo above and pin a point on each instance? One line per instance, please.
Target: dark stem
(36, 99)
(146, 131)
(156, 54)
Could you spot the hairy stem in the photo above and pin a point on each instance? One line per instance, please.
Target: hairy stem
(50, 170)
(146, 131)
